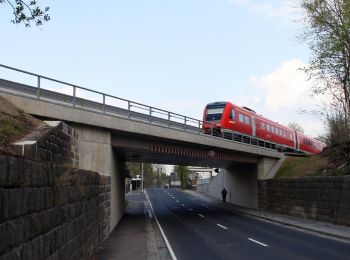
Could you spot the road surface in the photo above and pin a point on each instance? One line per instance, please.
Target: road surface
(198, 230)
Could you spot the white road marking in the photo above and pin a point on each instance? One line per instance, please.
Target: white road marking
(222, 226)
(201, 215)
(173, 256)
(190, 209)
(262, 244)
(183, 205)
(177, 201)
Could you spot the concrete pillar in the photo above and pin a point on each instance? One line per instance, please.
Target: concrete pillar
(268, 167)
(117, 190)
(241, 183)
(96, 154)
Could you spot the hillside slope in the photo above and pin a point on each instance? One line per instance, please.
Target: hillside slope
(14, 124)
(332, 161)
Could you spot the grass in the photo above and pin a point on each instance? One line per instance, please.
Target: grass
(10, 128)
(302, 166)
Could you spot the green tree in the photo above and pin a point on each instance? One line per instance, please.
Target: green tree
(27, 12)
(182, 172)
(327, 32)
(148, 172)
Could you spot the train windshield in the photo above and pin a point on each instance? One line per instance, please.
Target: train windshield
(214, 112)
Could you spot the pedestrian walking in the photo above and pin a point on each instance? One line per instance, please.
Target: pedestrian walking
(224, 193)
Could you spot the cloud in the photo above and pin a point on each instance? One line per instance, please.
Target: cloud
(286, 91)
(286, 87)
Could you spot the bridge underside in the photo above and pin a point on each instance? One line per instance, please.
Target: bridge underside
(135, 148)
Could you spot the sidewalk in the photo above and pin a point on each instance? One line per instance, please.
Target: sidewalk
(136, 236)
(321, 228)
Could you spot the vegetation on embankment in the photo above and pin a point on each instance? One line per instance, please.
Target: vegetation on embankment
(333, 161)
(14, 124)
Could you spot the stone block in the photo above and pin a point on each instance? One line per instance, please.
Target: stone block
(16, 202)
(13, 255)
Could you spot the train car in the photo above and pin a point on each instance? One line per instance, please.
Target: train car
(243, 124)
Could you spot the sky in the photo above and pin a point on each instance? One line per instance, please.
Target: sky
(177, 55)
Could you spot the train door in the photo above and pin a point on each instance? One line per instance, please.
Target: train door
(297, 141)
(253, 126)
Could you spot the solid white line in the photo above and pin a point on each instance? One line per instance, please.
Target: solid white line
(173, 256)
(201, 215)
(222, 226)
(262, 244)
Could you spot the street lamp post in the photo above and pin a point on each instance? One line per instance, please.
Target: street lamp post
(142, 177)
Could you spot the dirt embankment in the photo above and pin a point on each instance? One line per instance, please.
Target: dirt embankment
(333, 161)
(14, 124)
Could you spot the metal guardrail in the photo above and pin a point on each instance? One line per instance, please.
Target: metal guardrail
(135, 111)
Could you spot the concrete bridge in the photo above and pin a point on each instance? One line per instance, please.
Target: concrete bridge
(113, 131)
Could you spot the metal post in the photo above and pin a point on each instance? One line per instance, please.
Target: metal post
(169, 119)
(129, 108)
(142, 177)
(104, 103)
(185, 123)
(199, 127)
(38, 89)
(74, 94)
(150, 114)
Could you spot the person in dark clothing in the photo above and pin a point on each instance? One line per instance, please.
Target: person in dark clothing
(224, 193)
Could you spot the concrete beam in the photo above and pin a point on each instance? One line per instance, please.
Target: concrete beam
(67, 113)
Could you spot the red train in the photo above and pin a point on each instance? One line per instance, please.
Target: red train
(243, 124)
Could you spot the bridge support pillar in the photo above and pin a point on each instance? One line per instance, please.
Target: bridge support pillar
(268, 167)
(96, 154)
(241, 182)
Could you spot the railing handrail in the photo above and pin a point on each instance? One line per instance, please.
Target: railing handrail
(93, 91)
(130, 104)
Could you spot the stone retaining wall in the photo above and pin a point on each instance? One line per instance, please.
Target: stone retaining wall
(56, 143)
(51, 212)
(320, 198)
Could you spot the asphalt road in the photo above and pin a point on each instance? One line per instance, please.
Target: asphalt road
(198, 230)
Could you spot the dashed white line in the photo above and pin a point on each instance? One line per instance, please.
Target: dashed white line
(201, 215)
(173, 256)
(190, 209)
(222, 226)
(177, 201)
(183, 205)
(262, 244)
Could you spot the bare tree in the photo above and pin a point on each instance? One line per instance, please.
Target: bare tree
(27, 12)
(327, 32)
(295, 126)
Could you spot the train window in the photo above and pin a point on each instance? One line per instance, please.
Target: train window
(262, 125)
(272, 129)
(291, 137)
(268, 128)
(276, 130)
(233, 114)
(281, 134)
(284, 134)
(247, 121)
(241, 118)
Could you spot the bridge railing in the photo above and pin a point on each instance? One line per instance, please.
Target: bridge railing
(84, 98)
(96, 101)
